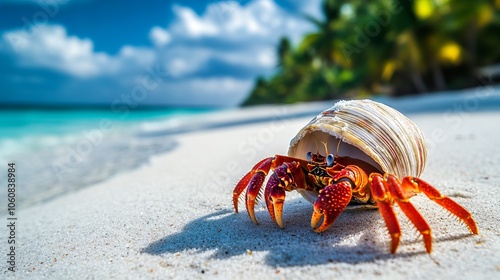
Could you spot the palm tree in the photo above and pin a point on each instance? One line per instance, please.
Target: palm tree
(365, 47)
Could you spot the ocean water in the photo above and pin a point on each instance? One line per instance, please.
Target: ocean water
(59, 151)
(32, 130)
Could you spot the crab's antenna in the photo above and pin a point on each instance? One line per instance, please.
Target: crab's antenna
(316, 143)
(338, 148)
(326, 147)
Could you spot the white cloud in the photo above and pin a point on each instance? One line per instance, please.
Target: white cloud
(159, 36)
(49, 46)
(228, 20)
(130, 56)
(190, 24)
(211, 57)
(204, 91)
(263, 57)
(252, 31)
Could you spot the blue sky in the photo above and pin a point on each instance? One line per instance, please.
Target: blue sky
(186, 53)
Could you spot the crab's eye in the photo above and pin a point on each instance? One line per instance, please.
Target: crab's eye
(309, 156)
(329, 160)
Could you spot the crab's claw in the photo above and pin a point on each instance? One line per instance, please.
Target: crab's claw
(332, 200)
(275, 198)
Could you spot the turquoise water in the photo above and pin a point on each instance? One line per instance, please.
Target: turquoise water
(31, 130)
(61, 151)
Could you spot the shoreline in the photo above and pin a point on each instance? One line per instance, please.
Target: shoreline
(61, 170)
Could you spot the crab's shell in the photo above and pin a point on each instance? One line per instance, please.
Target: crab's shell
(370, 131)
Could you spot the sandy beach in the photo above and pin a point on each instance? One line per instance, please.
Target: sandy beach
(171, 216)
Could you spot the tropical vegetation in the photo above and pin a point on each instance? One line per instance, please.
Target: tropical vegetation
(362, 48)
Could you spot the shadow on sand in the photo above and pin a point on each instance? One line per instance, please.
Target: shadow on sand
(229, 234)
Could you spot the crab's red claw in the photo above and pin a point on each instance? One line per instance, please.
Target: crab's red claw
(275, 197)
(332, 200)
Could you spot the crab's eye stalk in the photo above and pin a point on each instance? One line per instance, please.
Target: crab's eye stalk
(309, 156)
(329, 160)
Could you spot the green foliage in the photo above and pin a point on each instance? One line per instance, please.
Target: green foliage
(385, 47)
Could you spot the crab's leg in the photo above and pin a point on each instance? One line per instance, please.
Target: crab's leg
(274, 195)
(402, 199)
(384, 201)
(286, 177)
(262, 168)
(258, 175)
(419, 185)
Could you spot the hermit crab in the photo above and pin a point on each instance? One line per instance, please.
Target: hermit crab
(379, 154)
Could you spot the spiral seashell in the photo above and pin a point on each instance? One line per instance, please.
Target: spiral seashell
(368, 130)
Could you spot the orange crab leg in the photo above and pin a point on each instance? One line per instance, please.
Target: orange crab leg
(419, 185)
(254, 186)
(397, 193)
(262, 166)
(384, 201)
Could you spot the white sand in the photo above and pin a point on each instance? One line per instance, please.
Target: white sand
(173, 218)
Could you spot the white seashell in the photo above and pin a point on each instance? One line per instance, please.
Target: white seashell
(370, 131)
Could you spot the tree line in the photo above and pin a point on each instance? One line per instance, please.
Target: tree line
(361, 48)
